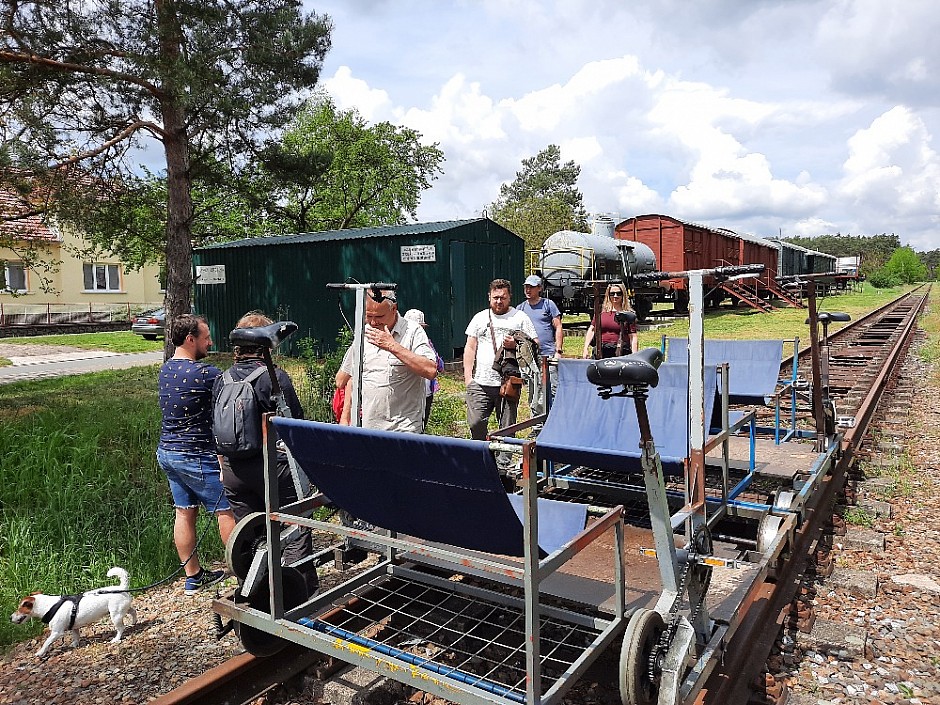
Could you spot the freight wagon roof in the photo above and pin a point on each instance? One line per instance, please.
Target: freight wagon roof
(724, 231)
(757, 239)
(348, 234)
(688, 223)
(806, 250)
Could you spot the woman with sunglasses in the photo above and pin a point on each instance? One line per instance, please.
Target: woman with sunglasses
(616, 338)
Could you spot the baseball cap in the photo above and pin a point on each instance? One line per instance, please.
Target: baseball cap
(416, 315)
(533, 280)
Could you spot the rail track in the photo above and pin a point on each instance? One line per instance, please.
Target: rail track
(863, 357)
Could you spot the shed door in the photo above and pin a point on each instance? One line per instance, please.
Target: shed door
(473, 265)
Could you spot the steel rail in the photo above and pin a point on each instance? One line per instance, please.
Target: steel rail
(852, 327)
(768, 604)
(241, 679)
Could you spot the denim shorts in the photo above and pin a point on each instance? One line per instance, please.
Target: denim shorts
(194, 479)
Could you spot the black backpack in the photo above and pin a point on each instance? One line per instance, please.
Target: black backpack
(236, 418)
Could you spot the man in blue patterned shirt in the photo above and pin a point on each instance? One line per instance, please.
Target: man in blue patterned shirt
(186, 452)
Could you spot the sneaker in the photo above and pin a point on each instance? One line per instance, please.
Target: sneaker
(203, 579)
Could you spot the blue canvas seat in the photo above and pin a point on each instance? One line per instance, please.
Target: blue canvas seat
(754, 365)
(583, 429)
(445, 490)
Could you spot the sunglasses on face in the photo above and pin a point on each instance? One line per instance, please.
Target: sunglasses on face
(616, 293)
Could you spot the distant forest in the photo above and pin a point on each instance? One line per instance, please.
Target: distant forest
(875, 250)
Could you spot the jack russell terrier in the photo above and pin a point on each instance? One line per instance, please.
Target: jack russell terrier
(68, 613)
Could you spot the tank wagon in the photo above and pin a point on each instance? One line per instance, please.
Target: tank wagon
(569, 259)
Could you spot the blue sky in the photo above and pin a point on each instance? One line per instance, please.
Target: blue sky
(793, 117)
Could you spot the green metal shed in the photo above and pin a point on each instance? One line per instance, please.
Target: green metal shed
(442, 268)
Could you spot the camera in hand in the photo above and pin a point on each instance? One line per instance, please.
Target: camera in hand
(624, 317)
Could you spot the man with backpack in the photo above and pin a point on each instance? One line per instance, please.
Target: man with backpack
(241, 395)
(186, 452)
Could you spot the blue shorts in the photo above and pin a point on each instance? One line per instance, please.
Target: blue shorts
(194, 479)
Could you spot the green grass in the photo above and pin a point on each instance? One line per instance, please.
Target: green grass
(80, 490)
(930, 323)
(746, 323)
(857, 516)
(119, 341)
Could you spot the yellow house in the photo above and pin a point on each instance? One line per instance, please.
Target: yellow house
(62, 275)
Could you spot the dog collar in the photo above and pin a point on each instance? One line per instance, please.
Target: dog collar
(74, 599)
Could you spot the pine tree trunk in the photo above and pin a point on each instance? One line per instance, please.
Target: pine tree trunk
(179, 244)
(179, 201)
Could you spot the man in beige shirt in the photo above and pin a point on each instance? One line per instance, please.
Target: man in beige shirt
(397, 359)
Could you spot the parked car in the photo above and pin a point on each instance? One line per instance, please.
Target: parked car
(150, 324)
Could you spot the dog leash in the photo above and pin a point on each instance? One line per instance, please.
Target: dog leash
(181, 567)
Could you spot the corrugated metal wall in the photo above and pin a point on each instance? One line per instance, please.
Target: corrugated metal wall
(757, 253)
(288, 280)
(680, 246)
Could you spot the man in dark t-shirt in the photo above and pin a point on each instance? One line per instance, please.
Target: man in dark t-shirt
(186, 451)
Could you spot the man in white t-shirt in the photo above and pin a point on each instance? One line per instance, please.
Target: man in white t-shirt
(487, 332)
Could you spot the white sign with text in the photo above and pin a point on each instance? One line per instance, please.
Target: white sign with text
(211, 274)
(418, 253)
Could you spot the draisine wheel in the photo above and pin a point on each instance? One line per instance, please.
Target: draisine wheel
(767, 531)
(247, 536)
(258, 642)
(642, 635)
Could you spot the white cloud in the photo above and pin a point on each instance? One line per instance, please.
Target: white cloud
(545, 109)
(633, 197)
(458, 113)
(891, 163)
(810, 227)
(892, 172)
(886, 48)
(349, 92)
(724, 179)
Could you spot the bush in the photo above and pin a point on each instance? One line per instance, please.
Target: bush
(883, 279)
(320, 371)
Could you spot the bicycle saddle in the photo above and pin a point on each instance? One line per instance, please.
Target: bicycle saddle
(263, 336)
(630, 370)
(827, 317)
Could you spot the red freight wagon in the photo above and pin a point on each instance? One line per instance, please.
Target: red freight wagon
(680, 246)
(755, 250)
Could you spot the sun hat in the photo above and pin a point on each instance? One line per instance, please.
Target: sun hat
(416, 315)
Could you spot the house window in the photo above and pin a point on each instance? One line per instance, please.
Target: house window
(102, 277)
(14, 277)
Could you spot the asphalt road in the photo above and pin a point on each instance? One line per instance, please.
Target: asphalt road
(40, 367)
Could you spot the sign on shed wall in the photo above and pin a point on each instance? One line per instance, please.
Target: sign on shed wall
(418, 253)
(210, 274)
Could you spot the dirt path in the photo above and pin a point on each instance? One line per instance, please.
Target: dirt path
(33, 349)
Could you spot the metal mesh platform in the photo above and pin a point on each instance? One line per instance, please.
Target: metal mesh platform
(466, 637)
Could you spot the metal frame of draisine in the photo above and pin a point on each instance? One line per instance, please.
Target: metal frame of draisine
(416, 615)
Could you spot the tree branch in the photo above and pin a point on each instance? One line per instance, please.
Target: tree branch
(12, 57)
(104, 146)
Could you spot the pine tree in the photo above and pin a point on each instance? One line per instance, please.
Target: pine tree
(84, 85)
